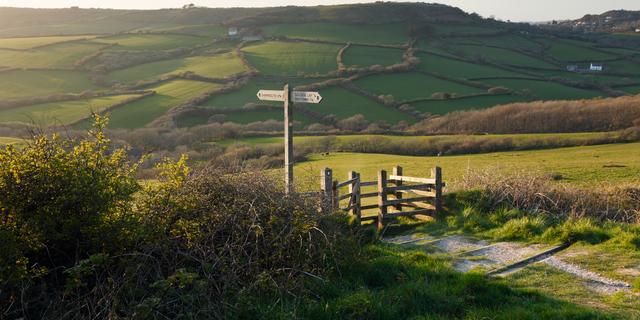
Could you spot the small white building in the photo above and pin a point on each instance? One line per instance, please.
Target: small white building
(233, 32)
(638, 30)
(597, 67)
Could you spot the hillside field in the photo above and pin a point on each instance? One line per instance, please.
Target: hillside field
(606, 164)
(384, 59)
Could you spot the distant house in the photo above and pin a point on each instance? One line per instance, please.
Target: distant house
(637, 30)
(233, 32)
(597, 67)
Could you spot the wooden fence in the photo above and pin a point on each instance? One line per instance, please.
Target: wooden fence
(396, 195)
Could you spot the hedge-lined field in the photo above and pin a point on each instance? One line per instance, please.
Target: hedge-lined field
(291, 58)
(218, 66)
(500, 56)
(461, 69)
(170, 94)
(23, 84)
(344, 104)
(60, 113)
(153, 41)
(28, 43)
(445, 106)
(545, 90)
(56, 56)
(615, 163)
(368, 56)
(406, 86)
(394, 34)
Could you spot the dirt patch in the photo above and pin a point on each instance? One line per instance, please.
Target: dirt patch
(458, 244)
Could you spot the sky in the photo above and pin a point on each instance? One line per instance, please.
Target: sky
(515, 10)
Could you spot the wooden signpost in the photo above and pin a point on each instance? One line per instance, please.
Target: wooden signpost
(288, 97)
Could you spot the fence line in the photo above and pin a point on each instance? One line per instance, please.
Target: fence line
(395, 193)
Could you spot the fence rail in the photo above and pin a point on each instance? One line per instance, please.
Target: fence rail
(423, 195)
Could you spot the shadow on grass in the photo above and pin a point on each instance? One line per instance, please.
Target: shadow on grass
(389, 282)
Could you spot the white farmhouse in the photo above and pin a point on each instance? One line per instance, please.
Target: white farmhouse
(638, 30)
(233, 32)
(598, 67)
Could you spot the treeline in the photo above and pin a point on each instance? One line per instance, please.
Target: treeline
(540, 117)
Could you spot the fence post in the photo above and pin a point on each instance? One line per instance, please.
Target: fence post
(436, 173)
(382, 199)
(336, 195)
(354, 189)
(397, 171)
(326, 186)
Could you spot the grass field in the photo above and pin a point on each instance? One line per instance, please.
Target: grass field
(368, 56)
(291, 58)
(591, 77)
(631, 89)
(460, 69)
(153, 41)
(28, 43)
(406, 86)
(566, 51)
(373, 34)
(500, 56)
(481, 102)
(62, 55)
(245, 117)
(463, 29)
(511, 41)
(516, 138)
(170, 94)
(218, 66)
(545, 90)
(610, 164)
(623, 66)
(59, 113)
(23, 84)
(206, 30)
(5, 141)
(344, 104)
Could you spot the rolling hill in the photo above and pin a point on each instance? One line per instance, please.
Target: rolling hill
(390, 62)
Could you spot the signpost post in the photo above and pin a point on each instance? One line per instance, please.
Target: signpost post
(289, 97)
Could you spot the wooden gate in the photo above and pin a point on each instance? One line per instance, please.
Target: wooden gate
(396, 195)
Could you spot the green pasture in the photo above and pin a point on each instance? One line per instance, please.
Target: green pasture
(460, 69)
(59, 113)
(362, 56)
(623, 66)
(204, 30)
(218, 66)
(153, 41)
(32, 42)
(23, 84)
(512, 41)
(497, 55)
(407, 86)
(598, 78)
(169, 94)
(517, 139)
(615, 163)
(631, 89)
(566, 51)
(394, 34)
(291, 58)
(450, 28)
(60, 56)
(5, 141)
(544, 90)
(344, 104)
(247, 94)
(442, 107)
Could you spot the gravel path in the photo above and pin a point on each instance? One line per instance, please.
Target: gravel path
(470, 253)
(595, 281)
